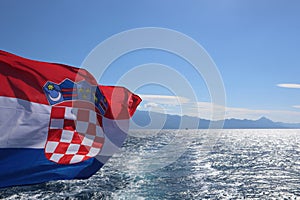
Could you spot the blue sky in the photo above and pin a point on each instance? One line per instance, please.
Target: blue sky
(255, 45)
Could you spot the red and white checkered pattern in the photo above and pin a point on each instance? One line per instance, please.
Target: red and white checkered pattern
(75, 135)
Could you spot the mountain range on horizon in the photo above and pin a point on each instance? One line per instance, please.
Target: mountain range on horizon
(154, 120)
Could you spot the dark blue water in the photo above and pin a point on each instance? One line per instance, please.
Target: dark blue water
(188, 164)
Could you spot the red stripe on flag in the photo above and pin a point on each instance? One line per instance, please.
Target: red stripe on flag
(24, 79)
(121, 102)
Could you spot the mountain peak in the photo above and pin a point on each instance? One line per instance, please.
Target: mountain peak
(264, 119)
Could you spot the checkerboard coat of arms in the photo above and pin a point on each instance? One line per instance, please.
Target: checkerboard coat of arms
(75, 131)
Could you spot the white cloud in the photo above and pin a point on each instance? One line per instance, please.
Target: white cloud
(207, 109)
(289, 85)
(164, 99)
(183, 106)
(151, 105)
(296, 106)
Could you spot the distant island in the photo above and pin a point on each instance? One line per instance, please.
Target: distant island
(142, 119)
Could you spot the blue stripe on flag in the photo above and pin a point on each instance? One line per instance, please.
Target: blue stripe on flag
(20, 166)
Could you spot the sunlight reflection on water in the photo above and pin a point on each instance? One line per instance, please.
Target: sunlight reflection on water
(253, 164)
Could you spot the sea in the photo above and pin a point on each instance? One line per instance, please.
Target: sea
(188, 164)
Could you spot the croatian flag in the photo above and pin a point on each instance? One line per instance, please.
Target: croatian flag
(56, 122)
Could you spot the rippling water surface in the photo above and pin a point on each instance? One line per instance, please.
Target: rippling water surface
(188, 164)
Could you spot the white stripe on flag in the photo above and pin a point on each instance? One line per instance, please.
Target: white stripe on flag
(23, 123)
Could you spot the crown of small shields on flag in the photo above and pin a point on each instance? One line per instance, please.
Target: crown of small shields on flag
(68, 90)
(75, 133)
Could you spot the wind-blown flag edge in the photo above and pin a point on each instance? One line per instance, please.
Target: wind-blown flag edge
(23, 99)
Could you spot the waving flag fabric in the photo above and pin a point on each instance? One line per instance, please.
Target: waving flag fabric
(56, 122)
